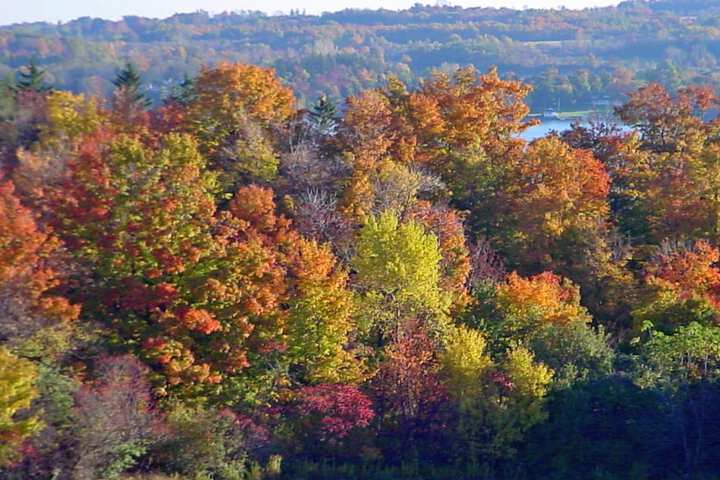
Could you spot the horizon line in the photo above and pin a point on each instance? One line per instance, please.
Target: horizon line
(291, 12)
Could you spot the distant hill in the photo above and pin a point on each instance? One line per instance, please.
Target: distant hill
(576, 59)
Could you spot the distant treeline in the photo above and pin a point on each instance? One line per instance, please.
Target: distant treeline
(575, 59)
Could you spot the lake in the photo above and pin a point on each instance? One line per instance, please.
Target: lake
(544, 128)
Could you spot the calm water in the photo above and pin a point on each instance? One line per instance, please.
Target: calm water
(544, 128)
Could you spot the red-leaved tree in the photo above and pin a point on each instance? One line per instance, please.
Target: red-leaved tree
(409, 395)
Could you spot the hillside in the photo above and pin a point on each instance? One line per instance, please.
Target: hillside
(574, 58)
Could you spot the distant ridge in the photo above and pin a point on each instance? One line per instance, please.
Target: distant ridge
(574, 58)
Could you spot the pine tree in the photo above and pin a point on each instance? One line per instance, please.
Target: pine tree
(323, 116)
(128, 84)
(184, 92)
(32, 79)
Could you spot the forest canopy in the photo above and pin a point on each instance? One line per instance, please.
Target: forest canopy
(228, 284)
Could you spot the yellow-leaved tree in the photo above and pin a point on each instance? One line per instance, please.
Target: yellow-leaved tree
(398, 274)
(320, 320)
(17, 392)
(497, 402)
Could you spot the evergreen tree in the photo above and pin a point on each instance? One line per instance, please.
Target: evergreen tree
(184, 92)
(323, 116)
(32, 79)
(128, 85)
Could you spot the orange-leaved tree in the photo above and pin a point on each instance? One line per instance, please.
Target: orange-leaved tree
(236, 112)
(160, 271)
(34, 317)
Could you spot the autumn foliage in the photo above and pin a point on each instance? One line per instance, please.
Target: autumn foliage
(332, 411)
(223, 285)
(32, 306)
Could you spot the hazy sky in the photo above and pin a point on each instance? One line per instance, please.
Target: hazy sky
(14, 11)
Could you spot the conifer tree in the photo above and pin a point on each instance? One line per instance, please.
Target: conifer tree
(323, 115)
(32, 79)
(128, 85)
(184, 92)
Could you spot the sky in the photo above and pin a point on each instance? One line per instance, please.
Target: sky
(16, 11)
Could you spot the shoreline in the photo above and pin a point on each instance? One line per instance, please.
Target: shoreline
(569, 116)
